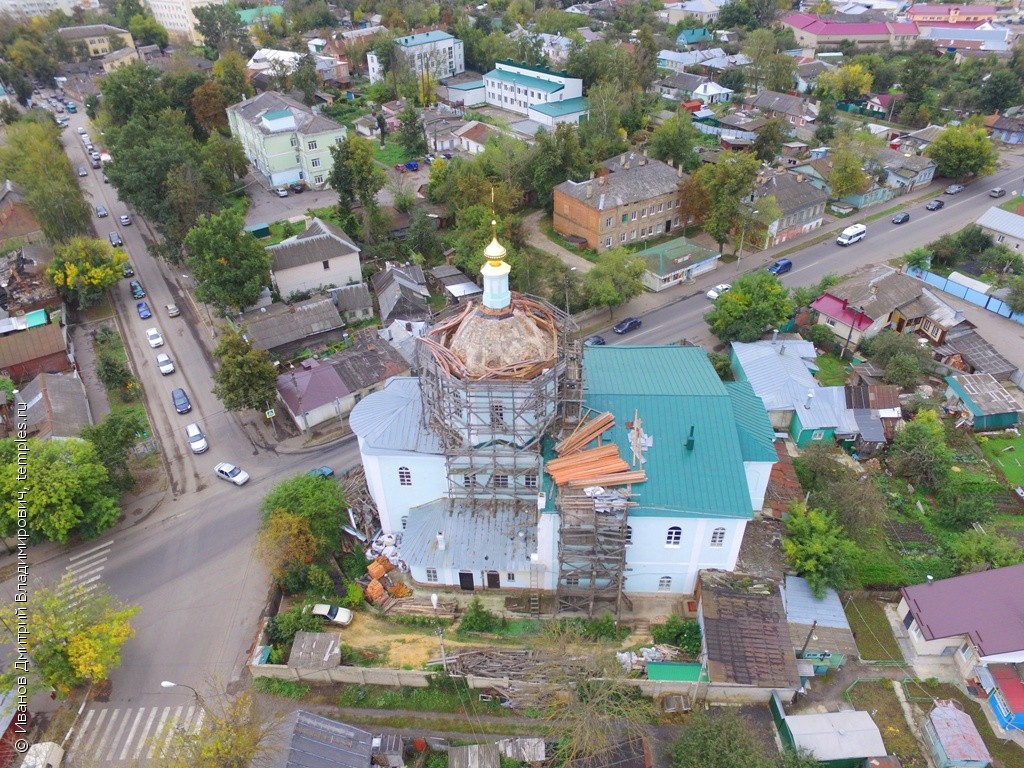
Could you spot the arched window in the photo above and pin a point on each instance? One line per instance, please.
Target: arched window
(674, 537)
(718, 537)
(405, 521)
(665, 584)
(629, 535)
(404, 476)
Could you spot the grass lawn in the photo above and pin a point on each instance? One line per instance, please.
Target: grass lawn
(1004, 753)
(390, 154)
(1010, 462)
(875, 639)
(456, 699)
(549, 232)
(831, 371)
(879, 699)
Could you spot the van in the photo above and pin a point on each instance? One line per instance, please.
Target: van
(780, 267)
(45, 754)
(852, 234)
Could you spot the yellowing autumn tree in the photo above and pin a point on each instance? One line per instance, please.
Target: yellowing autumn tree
(83, 269)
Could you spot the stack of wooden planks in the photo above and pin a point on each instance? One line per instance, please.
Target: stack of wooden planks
(585, 433)
(597, 461)
(579, 468)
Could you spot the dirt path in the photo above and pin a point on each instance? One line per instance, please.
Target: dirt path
(536, 238)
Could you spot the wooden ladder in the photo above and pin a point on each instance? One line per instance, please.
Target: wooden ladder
(534, 592)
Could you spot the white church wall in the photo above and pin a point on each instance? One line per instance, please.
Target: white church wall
(758, 473)
(385, 478)
(654, 554)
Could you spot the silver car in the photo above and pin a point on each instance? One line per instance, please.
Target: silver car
(196, 438)
(165, 364)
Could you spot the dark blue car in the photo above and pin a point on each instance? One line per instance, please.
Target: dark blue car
(144, 311)
(780, 267)
(627, 325)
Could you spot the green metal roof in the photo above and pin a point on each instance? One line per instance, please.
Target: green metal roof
(472, 85)
(965, 398)
(566, 107)
(249, 15)
(757, 438)
(684, 671)
(673, 389)
(673, 255)
(277, 114)
(524, 81)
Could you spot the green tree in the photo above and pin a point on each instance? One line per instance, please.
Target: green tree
(132, 90)
(230, 266)
(556, 157)
(848, 176)
(246, 377)
(680, 632)
(320, 502)
(845, 83)
(601, 134)
(209, 104)
(357, 178)
(410, 132)
(966, 499)
(113, 439)
(918, 258)
(614, 279)
(83, 269)
(825, 124)
(286, 543)
(1002, 89)
(962, 151)
(760, 46)
(756, 303)
(67, 490)
(222, 28)
(1015, 299)
(229, 73)
(919, 453)
(719, 740)
(974, 550)
(30, 56)
(306, 80)
(73, 633)
(723, 185)
(770, 139)
(147, 31)
(736, 15)
(674, 141)
(817, 548)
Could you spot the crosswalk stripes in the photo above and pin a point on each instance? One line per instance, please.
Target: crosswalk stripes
(130, 736)
(85, 568)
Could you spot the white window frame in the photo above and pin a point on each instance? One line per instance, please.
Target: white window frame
(718, 537)
(432, 576)
(665, 584)
(674, 536)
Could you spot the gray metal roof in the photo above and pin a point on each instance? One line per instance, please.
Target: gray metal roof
(869, 425)
(283, 324)
(352, 297)
(802, 607)
(367, 361)
(306, 122)
(392, 420)
(645, 178)
(479, 536)
(1003, 222)
(321, 241)
(792, 193)
(980, 355)
(317, 742)
(57, 406)
(774, 101)
(837, 735)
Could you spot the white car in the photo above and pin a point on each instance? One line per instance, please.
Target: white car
(281, 192)
(717, 291)
(125, 219)
(165, 364)
(154, 338)
(231, 473)
(333, 614)
(196, 438)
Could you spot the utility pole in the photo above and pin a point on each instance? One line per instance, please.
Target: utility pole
(743, 237)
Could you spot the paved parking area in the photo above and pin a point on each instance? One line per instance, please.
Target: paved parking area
(267, 207)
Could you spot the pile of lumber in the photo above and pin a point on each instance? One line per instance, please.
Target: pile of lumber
(597, 461)
(379, 567)
(579, 468)
(585, 433)
(399, 589)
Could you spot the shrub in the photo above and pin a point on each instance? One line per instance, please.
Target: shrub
(478, 618)
(354, 596)
(319, 582)
(289, 689)
(282, 628)
(294, 579)
(974, 550)
(602, 628)
(821, 337)
(966, 499)
(680, 632)
(353, 565)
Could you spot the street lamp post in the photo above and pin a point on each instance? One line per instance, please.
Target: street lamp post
(199, 698)
(743, 237)
(440, 633)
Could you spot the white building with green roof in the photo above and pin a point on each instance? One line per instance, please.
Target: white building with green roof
(436, 53)
(519, 88)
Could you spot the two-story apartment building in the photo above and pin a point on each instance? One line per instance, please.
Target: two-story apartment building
(802, 205)
(100, 39)
(633, 198)
(437, 53)
(284, 139)
(923, 13)
(518, 87)
(812, 31)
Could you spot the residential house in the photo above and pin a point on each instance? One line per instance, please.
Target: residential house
(712, 93)
(28, 350)
(314, 740)
(904, 172)
(354, 302)
(968, 619)
(693, 36)
(675, 261)
(474, 135)
(807, 73)
(801, 205)
(679, 62)
(847, 739)
(981, 402)
(966, 350)
(1009, 130)
(441, 127)
(883, 104)
(945, 39)
(261, 14)
(793, 109)
(403, 335)
(55, 406)
(402, 293)
(678, 86)
(818, 171)
(14, 723)
(876, 409)
(436, 53)
(456, 286)
(285, 329)
(114, 60)
(520, 88)
(917, 141)
(634, 197)
(922, 13)
(817, 625)
(716, 65)
(704, 11)
(1005, 227)
(813, 31)
(555, 47)
(881, 298)
(780, 373)
(284, 140)
(98, 39)
(744, 636)
(274, 63)
(952, 738)
(321, 257)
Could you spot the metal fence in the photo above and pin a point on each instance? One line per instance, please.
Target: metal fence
(983, 300)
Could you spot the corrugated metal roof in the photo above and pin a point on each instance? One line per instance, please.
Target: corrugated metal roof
(1003, 222)
(774, 367)
(982, 394)
(757, 438)
(958, 735)
(802, 607)
(392, 419)
(672, 389)
(561, 108)
(316, 741)
(524, 81)
(837, 735)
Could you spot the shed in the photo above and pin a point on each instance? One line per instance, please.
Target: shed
(315, 650)
(311, 741)
(474, 756)
(820, 622)
(258, 230)
(836, 739)
(984, 402)
(952, 738)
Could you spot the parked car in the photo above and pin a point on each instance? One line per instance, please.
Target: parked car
(297, 188)
(412, 165)
(901, 218)
(81, 131)
(144, 311)
(231, 473)
(165, 364)
(82, 171)
(324, 472)
(934, 205)
(954, 189)
(101, 212)
(594, 341)
(997, 192)
(629, 324)
(115, 239)
(180, 399)
(196, 438)
(105, 179)
(125, 220)
(138, 292)
(154, 338)
(780, 267)
(95, 162)
(717, 291)
(446, 155)
(333, 614)
(281, 192)
(127, 271)
(172, 310)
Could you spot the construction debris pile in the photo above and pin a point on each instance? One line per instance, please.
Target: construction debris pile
(600, 466)
(381, 587)
(631, 661)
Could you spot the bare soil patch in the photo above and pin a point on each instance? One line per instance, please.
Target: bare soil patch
(405, 646)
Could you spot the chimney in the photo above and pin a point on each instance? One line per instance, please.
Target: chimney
(689, 440)
(440, 541)
(590, 191)
(775, 334)
(625, 166)
(807, 404)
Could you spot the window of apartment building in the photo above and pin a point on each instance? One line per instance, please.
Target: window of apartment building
(643, 213)
(315, 162)
(622, 237)
(497, 415)
(665, 584)
(530, 480)
(658, 229)
(674, 536)
(311, 145)
(607, 242)
(629, 535)
(500, 481)
(632, 235)
(432, 575)
(318, 179)
(295, 141)
(404, 476)
(718, 537)
(572, 581)
(661, 207)
(510, 576)
(625, 217)
(608, 221)
(327, 264)
(633, 216)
